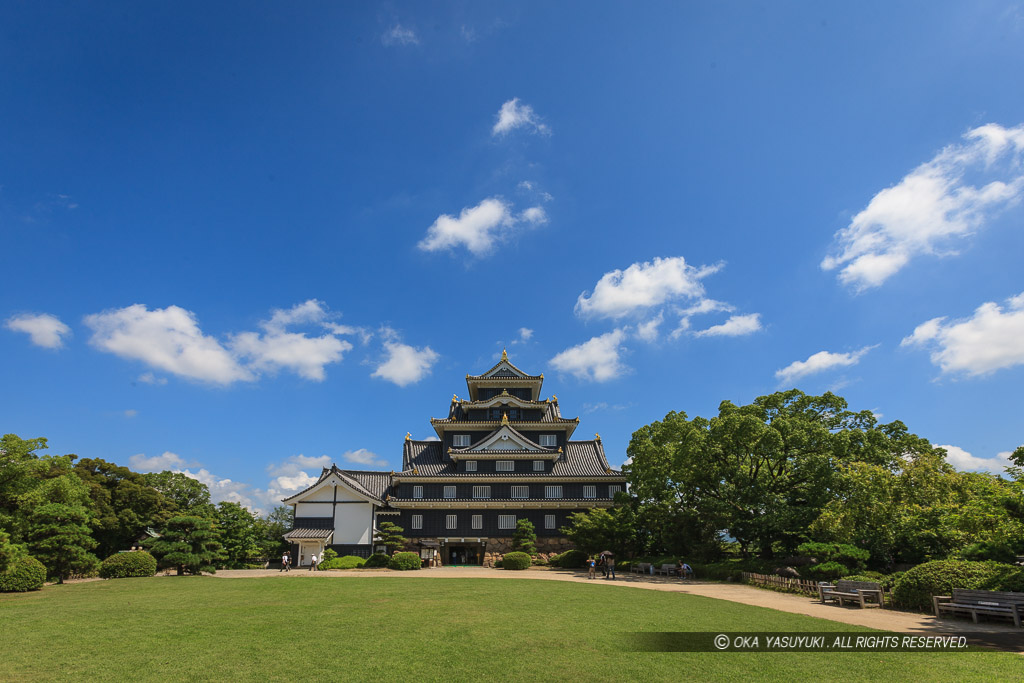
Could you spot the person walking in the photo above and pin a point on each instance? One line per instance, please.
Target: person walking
(591, 568)
(284, 562)
(609, 564)
(312, 565)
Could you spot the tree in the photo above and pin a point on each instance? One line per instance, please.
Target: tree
(190, 544)
(238, 533)
(9, 552)
(390, 535)
(189, 496)
(22, 469)
(524, 538)
(601, 529)
(271, 531)
(59, 538)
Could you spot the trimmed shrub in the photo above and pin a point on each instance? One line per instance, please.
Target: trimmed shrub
(834, 559)
(828, 570)
(570, 559)
(404, 561)
(329, 555)
(124, 565)
(346, 562)
(516, 561)
(376, 560)
(915, 588)
(539, 562)
(25, 574)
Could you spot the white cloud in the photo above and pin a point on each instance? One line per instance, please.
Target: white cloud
(932, 207)
(962, 460)
(150, 378)
(735, 326)
(819, 362)
(992, 339)
(131, 412)
(405, 364)
(702, 307)
(159, 463)
(597, 359)
(361, 456)
(648, 330)
(42, 328)
(642, 286)
(478, 228)
(168, 339)
(400, 35)
(525, 334)
(513, 115)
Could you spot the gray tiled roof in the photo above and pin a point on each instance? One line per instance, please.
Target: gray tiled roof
(580, 459)
(375, 484)
(308, 534)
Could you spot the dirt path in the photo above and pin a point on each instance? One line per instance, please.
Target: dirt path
(990, 633)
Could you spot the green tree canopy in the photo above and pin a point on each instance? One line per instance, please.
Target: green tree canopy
(390, 534)
(238, 531)
(190, 544)
(189, 496)
(59, 538)
(524, 538)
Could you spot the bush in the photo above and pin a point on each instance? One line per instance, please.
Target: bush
(328, 555)
(376, 560)
(915, 588)
(404, 561)
(839, 558)
(24, 574)
(123, 565)
(516, 560)
(828, 570)
(346, 562)
(570, 559)
(539, 562)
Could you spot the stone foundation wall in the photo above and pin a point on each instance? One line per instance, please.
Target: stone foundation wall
(547, 546)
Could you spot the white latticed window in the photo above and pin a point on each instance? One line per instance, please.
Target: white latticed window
(613, 489)
(460, 440)
(520, 491)
(478, 521)
(481, 491)
(417, 521)
(505, 466)
(590, 492)
(548, 440)
(506, 521)
(552, 491)
(449, 491)
(538, 465)
(549, 521)
(471, 465)
(451, 522)
(417, 491)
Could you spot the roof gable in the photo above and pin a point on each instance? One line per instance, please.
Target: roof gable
(505, 438)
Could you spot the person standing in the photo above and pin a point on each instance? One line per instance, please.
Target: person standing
(591, 568)
(609, 564)
(284, 562)
(312, 565)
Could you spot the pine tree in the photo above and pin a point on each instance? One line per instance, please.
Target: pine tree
(390, 535)
(59, 538)
(524, 538)
(189, 544)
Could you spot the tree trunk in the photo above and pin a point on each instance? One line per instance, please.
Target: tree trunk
(181, 570)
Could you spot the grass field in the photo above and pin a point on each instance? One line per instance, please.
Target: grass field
(414, 629)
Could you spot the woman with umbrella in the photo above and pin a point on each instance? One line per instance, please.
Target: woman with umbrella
(608, 561)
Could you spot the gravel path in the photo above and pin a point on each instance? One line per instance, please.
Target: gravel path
(991, 633)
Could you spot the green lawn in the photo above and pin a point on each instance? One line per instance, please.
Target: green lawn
(409, 628)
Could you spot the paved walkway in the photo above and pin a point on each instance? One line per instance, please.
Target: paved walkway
(1005, 636)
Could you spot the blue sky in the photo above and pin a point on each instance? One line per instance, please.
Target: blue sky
(246, 240)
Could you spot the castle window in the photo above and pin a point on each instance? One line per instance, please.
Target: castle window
(612, 490)
(552, 491)
(590, 492)
(451, 522)
(460, 440)
(481, 491)
(513, 414)
(549, 521)
(495, 413)
(417, 521)
(506, 521)
(449, 491)
(504, 466)
(478, 521)
(548, 440)
(538, 465)
(417, 491)
(471, 465)
(520, 491)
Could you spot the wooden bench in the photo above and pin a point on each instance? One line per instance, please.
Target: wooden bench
(975, 602)
(668, 569)
(856, 591)
(640, 567)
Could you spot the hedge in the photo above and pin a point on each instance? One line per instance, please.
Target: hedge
(346, 562)
(24, 574)
(516, 560)
(404, 561)
(570, 559)
(376, 560)
(123, 565)
(917, 585)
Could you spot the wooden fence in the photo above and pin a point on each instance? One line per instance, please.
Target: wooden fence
(770, 581)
